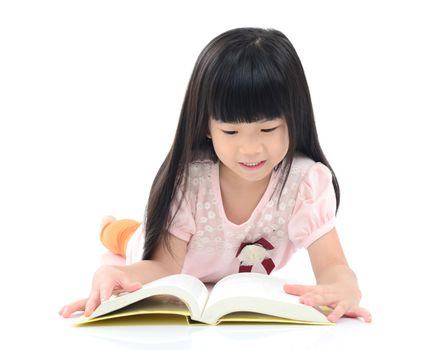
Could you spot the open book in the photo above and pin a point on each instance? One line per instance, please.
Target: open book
(241, 297)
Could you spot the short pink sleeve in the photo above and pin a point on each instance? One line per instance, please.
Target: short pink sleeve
(183, 225)
(315, 208)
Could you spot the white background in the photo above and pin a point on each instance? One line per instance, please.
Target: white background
(90, 94)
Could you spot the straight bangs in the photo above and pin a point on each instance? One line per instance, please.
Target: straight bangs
(245, 87)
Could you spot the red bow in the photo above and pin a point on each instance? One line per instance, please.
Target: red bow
(267, 263)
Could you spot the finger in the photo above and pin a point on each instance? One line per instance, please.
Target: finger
(338, 312)
(67, 310)
(297, 289)
(129, 286)
(319, 297)
(360, 312)
(106, 291)
(92, 303)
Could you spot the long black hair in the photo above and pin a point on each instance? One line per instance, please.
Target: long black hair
(242, 75)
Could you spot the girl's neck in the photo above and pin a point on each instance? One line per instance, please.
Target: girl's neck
(234, 182)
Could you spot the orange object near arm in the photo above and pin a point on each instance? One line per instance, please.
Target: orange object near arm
(116, 234)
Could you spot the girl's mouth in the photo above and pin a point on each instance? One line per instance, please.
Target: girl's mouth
(253, 166)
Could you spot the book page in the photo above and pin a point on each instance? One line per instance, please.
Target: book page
(163, 309)
(188, 289)
(259, 293)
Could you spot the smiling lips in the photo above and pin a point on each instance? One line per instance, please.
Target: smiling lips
(253, 165)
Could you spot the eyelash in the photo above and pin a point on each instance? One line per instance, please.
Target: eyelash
(233, 132)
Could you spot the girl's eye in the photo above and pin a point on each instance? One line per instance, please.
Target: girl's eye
(268, 130)
(234, 132)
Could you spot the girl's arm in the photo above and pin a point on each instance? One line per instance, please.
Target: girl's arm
(162, 264)
(337, 285)
(328, 260)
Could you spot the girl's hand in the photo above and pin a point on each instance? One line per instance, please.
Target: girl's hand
(342, 297)
(106, 280)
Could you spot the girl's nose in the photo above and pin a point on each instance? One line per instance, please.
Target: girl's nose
(251, 148)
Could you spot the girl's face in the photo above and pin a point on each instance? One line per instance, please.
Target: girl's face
(240, 145)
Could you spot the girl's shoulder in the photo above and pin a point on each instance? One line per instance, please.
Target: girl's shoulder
(304, 167)
(200, 167)
(302, 162)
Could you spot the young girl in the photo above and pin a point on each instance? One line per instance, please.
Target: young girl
(243, 186)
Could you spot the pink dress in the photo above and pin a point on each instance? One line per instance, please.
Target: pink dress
(267, 240)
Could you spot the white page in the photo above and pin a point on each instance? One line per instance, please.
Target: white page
(256, 292)
(253, 285)
(187, 288)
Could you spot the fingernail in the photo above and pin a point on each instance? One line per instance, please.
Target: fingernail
(307, 301)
